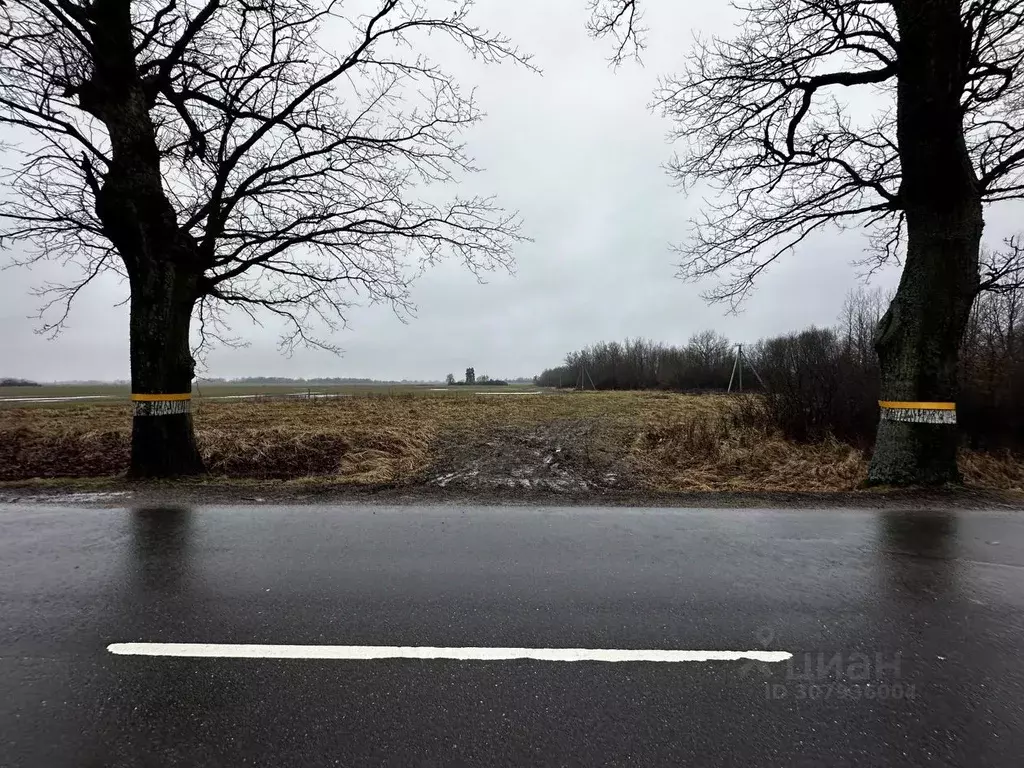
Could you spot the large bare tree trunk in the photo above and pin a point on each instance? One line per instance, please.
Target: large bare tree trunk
(162, 261)
(917, 342)
(163, 269)
(163, 440)
(919, 337)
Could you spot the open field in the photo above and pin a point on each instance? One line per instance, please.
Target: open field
(558, 441)
(59, 394)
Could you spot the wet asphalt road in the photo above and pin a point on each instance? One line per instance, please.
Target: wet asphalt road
(906, 630)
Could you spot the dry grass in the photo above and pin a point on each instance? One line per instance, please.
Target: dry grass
(993, 471)
(667, 441)
(725, 444)
(367, 439)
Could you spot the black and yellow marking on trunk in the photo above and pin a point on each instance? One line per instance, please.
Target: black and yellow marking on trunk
(162, 405)
(918, 412)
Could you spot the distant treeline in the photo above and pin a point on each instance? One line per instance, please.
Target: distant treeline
(18, 383)
(825, 381)
(703, 363)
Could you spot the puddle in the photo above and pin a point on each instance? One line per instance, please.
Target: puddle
(272, 395)
(511, 393)
(53, 399)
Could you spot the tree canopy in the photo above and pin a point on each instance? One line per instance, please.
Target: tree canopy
(791, 122)
(297, 143)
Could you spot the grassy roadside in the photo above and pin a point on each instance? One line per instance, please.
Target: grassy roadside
(561, 442)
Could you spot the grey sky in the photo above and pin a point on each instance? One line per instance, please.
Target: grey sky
(577, 152)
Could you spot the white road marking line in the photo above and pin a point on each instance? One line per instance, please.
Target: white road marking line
(371, 652)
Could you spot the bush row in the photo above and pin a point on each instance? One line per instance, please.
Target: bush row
(825, 381)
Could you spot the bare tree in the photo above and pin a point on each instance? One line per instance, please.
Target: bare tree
(643, 364)
(710, 349)
(1002, 270)
(621, 20)
(771, 120)
(861, 311)
(223, 154)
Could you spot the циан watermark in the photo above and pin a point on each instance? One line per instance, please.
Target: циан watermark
(821, 676)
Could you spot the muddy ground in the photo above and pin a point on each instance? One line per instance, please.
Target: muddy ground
(561, 456)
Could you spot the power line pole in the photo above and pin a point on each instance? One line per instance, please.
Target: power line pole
(581, 381)
(737, 369)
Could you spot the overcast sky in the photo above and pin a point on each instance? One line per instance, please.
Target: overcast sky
(578, 154)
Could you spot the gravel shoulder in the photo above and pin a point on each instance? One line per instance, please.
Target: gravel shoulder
(121, 493)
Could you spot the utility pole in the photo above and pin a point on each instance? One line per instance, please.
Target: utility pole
(581, 382)
(737, 369)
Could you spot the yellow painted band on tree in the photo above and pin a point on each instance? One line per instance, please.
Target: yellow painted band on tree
(160, 398)
(917, 406)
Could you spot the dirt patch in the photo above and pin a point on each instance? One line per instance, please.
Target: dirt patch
(562, 456)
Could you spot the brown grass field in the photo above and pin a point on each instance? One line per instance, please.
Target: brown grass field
(556, 441)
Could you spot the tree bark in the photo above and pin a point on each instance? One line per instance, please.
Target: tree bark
(918, 338)
(163, 439)
(918, 342)
(162, 261)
